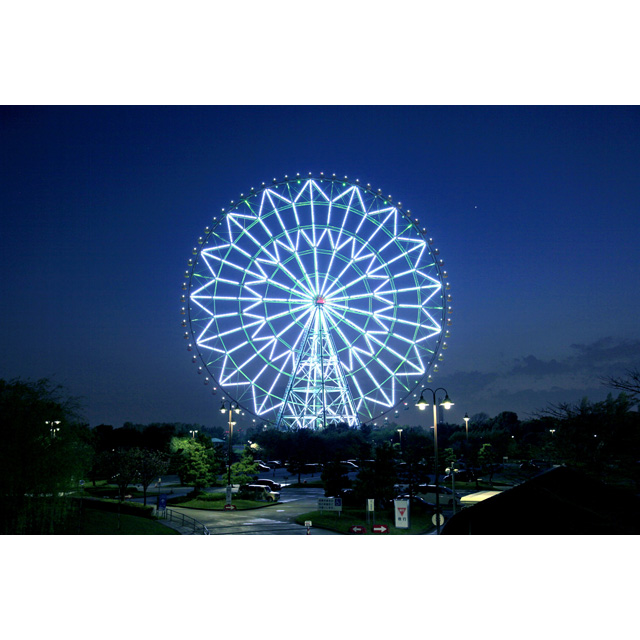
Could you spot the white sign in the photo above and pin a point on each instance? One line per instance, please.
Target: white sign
(436, 517)
(329, 504)
(401, 510)
(307, 523)
(371, 504)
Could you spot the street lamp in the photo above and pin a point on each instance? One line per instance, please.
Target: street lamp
(422, 405)
(400, 438)
(53, 427)
(466, 424)
(193, 433)
(232, 407)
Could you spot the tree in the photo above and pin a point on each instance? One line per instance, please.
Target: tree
(196, 464)
(150, 465)
(45, 453)
(376, 480)
(487, 458)
(120, 467)
(245, 470)
(335, 479)
(302, 449)
(600, 438)
(629, 384)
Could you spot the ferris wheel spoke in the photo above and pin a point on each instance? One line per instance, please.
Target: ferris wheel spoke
(316, 299)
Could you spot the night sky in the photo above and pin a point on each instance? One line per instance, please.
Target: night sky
(534, 209)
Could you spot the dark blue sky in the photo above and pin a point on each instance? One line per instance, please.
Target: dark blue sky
(535, 212)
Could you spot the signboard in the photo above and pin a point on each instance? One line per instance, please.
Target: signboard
(229, 507)
(307, 523)
(434, 519)
(228, 493)
(371, 504)
(357, 529)
(162, 501)
(329, 504)
(401, 511)
(380, 528)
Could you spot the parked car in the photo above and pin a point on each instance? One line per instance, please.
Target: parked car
(428, 493)
(348, 465)
(529, 467)
(274, 486)
(312, 467)
(274, 464)
(417, 504)
(541, 464)
(260, 492)
(348, 498)
(463, 475)
(262, 466)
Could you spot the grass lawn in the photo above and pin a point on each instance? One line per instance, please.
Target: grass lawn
(420, 522)
(97, 522)
(216, 502)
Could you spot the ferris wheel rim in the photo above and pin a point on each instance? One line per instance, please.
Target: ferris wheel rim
(298, 289)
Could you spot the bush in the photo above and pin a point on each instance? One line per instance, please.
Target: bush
(129, 508)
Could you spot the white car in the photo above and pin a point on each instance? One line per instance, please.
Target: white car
(428, 492)
(263, 492)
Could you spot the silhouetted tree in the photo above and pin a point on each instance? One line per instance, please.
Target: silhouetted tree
(150, 465)
(44, 454)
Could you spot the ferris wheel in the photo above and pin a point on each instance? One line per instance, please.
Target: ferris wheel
(316, 300)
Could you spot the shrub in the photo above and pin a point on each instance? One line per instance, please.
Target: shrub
(129, 508)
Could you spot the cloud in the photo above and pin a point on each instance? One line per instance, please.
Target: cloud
(532, 366)
(528, 384)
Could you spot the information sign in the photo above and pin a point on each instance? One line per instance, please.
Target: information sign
(371, 504)
(329, 504)
(401, 510)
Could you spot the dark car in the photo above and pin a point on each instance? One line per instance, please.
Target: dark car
(463, 475)
(349, 499)
(529, 467)
(417, 504)
(312, 467)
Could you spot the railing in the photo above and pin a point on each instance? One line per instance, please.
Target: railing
(183, 520)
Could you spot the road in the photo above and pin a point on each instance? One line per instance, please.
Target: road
(278, 519)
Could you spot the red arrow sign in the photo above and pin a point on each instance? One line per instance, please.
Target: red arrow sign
(357, 529)
(380, 528)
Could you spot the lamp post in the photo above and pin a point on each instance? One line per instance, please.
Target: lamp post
(232, 407)
(53, 427)
(193, 433)
(466, 424)
(422, 405)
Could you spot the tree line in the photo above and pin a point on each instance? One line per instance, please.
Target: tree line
(48, 450)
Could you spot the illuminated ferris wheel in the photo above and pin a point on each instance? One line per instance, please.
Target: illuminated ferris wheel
(316, 300)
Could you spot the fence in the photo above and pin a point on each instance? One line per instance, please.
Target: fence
(183, 520)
